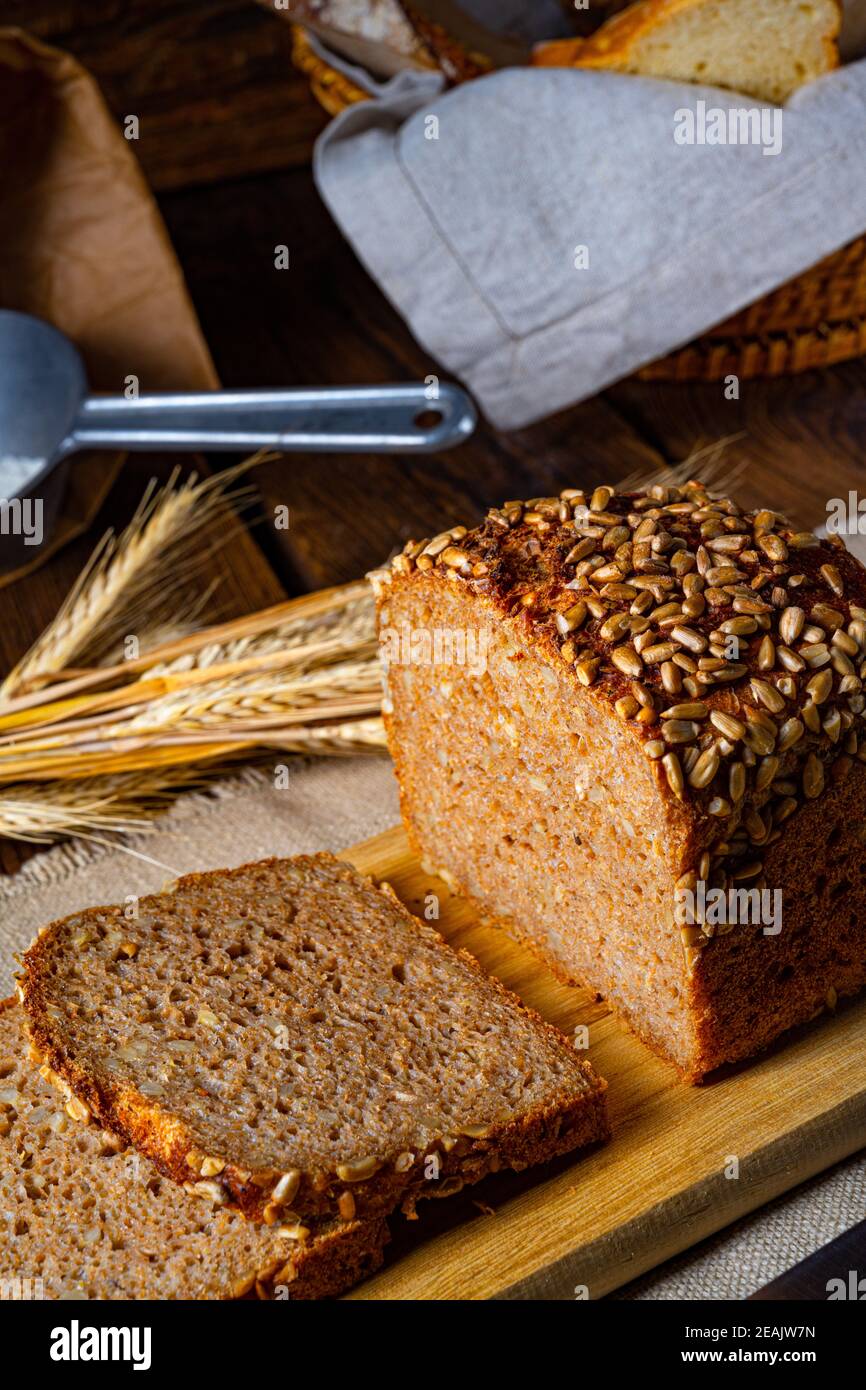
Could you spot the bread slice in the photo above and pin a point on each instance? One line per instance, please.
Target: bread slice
(89, 1218)
(659, 697)
(766, 48)
(287, 1034)
(373, 33)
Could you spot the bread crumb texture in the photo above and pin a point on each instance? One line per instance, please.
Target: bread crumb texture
(88, 1217)
(286, 1038)
(765, 48)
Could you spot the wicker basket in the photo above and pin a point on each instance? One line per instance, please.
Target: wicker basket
(815, 320)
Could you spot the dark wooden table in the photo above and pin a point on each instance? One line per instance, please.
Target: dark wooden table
(227, 129)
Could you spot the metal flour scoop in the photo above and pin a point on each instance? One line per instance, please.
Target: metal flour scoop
(46, 415)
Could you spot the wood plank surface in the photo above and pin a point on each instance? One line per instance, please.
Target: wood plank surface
(794, 443)
(598, 1220)
(213, 85)
(324, 321)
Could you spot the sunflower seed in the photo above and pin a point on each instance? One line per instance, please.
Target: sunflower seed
(766, 657)
(626, 707)
(723, 574)
(357, 1170)
(813, 777)
(727, 545)
(842, 664)
(791, 624)
(746, 871)
(790, 733)
(736, 781)
(705, 769)
(671, 677)
(773, 547)
(581, 551)
(831, 575)
(845, 642)
(750, 605)
(828, 617)
(674, 774)
(730, 672)
(694, 641)
(658, 652)
(572, 618)
(287, 1187)
(615, 627)
(727, 724)
(587, 670)
(694, 709)
(790, 660)
(820, 686)
(811, 717)
(680, 731)
(768, 696)
(832, 725)
(213, 1191)
(626, 659)
(600, 498)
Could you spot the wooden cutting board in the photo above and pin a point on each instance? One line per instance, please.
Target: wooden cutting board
(683, 1162)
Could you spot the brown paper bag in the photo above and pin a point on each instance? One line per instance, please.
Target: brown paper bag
(83, 246)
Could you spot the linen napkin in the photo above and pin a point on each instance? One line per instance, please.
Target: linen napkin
(544, 234)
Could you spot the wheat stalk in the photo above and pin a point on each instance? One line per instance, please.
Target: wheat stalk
(308, 681)
(119, 577)
(119, 802)
(90, 746)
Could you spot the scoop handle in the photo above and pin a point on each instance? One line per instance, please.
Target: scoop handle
(345, 419)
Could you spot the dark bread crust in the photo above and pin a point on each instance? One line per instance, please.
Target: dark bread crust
(573, 1116)
(515, 575)
(328, 1265)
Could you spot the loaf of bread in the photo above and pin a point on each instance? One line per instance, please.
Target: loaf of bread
(766, 48)
(286, 1037)
(88, 1217)
(610, 714)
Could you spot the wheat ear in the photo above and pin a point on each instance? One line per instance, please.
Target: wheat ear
(119, 570)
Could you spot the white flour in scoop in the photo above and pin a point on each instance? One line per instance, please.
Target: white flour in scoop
(15, 472)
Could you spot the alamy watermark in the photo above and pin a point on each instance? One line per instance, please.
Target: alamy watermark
(737, 906)
(729, 125)
(437, 646)
(847, 516)
(22, 1288)
(852, 1289)
(22, 516)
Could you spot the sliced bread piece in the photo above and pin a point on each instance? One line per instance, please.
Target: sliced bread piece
(766, 48)
(286, 1033)
(86, 1217)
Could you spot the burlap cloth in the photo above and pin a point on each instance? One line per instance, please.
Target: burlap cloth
(330, 804)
